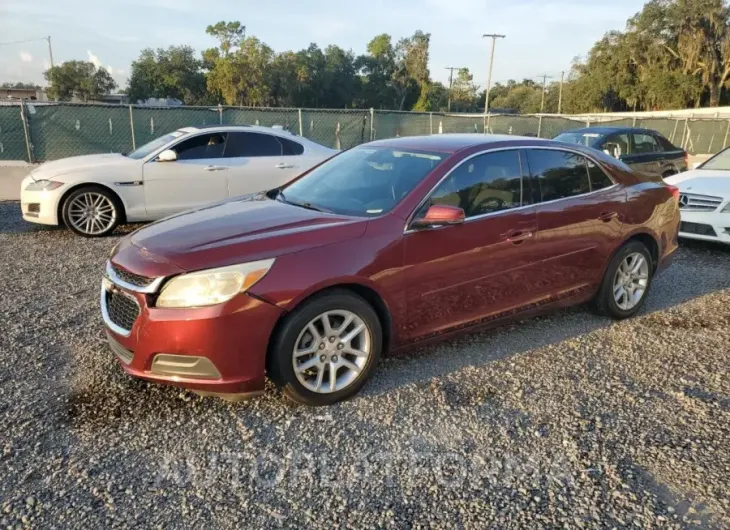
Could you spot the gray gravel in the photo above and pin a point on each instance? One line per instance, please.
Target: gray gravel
(569, 420)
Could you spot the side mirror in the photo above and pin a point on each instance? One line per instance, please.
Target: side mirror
(439, 215)
(168, 155)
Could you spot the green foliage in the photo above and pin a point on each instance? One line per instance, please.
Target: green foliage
(19, 85)
(174, 72)
(78, 78)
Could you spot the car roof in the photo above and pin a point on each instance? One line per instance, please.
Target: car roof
(610, 130)
(223, 128)
(450, 143)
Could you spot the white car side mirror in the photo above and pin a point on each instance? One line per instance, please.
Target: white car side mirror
(168, 155)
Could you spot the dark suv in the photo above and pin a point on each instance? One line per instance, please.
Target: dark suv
(642, 149)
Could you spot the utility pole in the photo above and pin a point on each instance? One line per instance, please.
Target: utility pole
(545, 77)
(560, 94)
(451, 82)
(494, 38)
(50, 50)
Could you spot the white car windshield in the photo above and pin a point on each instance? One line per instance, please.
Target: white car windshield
(719, 162)
(364, 181)
(154, 145)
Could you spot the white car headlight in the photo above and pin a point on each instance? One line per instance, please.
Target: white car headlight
(212, 286)
(43, 185)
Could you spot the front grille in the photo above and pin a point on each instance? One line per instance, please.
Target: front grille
(122, 310)
(692, 202)
(697, 228)
(131, 278)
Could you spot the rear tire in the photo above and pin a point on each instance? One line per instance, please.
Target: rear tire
(318, 356)
(626, 283)
(92, 211)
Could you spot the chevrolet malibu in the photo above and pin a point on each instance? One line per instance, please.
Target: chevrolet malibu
(386, 246)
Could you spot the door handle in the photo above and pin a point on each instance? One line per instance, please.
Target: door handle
(215, 168)
(284, 165)
(607, 216)
(517, 237)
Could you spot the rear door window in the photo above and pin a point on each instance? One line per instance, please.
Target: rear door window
(250, 144)
(617, 145)
(560, 174)
(646, 144)
(597, 176)
(290, 147)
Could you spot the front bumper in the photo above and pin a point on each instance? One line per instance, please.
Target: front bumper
(705, 226)
(40, 206)
(217, 350)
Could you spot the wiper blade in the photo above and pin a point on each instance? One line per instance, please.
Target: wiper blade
(304, 204)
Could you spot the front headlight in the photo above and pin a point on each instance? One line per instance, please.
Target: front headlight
(43, 185)
(212, 286)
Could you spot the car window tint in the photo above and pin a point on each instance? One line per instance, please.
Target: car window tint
(560, 174)
(666, 144)
(249, 144)
(646, 143)
(290, 147)
(617, 145)
(204, 146)
(598, 177)
(484, 184)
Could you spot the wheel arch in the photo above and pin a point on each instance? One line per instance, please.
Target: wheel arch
(649, 241)
(367, 293)
(62, 200)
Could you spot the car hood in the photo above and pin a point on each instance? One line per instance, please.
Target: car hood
(241, 230)
(78, 163)
(703, 182)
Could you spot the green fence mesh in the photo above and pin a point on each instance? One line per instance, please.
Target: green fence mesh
(12, 136)
(58, 130)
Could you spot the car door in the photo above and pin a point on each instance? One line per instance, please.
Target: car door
(463, 274)
(196, 178)
(646, 154)
(579, 219)
(259, 161)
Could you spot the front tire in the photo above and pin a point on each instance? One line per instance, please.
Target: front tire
(326, 349)
(626, 282)
(92, 211)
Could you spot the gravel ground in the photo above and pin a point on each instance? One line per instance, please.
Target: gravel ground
(569, 420)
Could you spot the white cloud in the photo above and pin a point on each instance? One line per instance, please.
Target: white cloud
(26, 57)
(94, 59)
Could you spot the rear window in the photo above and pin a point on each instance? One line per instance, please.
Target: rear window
(587, 139)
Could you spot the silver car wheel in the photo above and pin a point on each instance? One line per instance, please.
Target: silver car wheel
(92, 213)
(631, 281)
(331, 351)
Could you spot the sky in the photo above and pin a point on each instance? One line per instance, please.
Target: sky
(543, 36)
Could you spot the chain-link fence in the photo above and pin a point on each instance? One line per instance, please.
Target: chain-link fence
(47, 131)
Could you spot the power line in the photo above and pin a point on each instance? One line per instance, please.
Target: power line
(23, 41)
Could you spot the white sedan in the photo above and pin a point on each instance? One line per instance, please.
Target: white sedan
(184, 169)
(704, 199)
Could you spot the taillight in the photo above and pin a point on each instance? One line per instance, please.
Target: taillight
(674, 190)
(686, 159)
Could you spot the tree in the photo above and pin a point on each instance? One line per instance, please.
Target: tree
(228, 34)
(241, 77)
(411, 76)
(376, 70)
(174, 72)
(78, 78)
(464, 92)
(19, 84)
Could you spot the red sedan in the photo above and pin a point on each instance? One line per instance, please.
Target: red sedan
(385, 246)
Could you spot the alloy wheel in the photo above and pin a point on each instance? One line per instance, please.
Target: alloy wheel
(331, 351)
(92, 213)
(631, 281)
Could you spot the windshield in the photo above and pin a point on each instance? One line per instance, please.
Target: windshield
(154, 145)
(719, 162)
(586, 139)
(364, 181)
